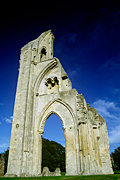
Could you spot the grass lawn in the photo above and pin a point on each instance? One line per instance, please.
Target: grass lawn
(117, 172)
(96, 177)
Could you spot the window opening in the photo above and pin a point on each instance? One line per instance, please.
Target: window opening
(43, 54)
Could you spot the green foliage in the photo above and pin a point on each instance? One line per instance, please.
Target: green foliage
(6, 154)
(53, 155)
(116, 159)
(116, 172)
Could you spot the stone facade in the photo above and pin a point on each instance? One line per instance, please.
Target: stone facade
(2, 164)
(43, 89)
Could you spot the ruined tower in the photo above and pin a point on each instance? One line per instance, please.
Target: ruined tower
(43, 89)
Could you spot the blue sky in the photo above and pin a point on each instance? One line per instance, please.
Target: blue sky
(87, 43)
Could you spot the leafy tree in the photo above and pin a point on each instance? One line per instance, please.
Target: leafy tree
(6, 154)
(53, 155)
(116, 158)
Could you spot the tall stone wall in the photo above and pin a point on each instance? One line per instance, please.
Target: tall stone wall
(43, 89)
(2, 164)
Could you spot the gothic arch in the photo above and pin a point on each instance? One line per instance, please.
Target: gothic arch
(46, 69)
(42, 124)
(39, 95)
(43, 118)
(67, 116)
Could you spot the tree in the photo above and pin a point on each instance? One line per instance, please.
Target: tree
(116, 158)
(53, 155)
(6, 154)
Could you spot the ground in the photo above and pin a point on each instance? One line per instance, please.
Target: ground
(94, 177)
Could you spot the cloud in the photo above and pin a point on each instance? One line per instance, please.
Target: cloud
(3, 145)
(107, 109)
(116, 91)
(73, 73)
(111, 112)
(114, 135)
(111, 64)
(8, 120)
(0, 123)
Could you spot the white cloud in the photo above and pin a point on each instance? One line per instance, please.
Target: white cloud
(111, 112)
(73, 73)
(116, 91)
(107, 109)
(114, 135)
(3, 145)
(8, 120)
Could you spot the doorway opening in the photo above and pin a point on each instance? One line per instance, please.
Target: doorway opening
(53, 144)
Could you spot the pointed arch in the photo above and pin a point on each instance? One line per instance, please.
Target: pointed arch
(43, 119)
(47, 116)
(46, 69)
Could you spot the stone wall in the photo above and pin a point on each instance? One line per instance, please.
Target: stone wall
(2, 163)
(43, 89)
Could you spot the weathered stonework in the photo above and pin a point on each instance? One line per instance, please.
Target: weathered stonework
(2, 164)
(46, 172)
(43, 89)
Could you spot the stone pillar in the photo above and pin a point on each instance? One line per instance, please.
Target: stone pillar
(104, 151)
(37, 154)
(83, 148)
(17, 135)
(80, 148)
(71, 161)
(40, 154)
(96, 137)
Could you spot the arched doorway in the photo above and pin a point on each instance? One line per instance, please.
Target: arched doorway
(65, 113)
(53, 144)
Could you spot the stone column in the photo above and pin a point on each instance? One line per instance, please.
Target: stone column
(80, 148)
(71, 161)
(97, 157)
(37, 153)
(83, 148)
(17, 135)
(104, 151)
(40, 154)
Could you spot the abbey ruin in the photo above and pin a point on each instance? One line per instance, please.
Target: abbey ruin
(43, 89)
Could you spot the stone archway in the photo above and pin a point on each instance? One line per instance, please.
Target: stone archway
(54, 136)
(63, 111)
(44, 88)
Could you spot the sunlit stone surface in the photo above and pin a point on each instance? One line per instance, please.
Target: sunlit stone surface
(44, 88)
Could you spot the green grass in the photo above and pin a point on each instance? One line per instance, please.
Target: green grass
(117, 172)
(94, 177)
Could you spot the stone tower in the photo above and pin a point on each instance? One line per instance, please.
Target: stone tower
(43, 89)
